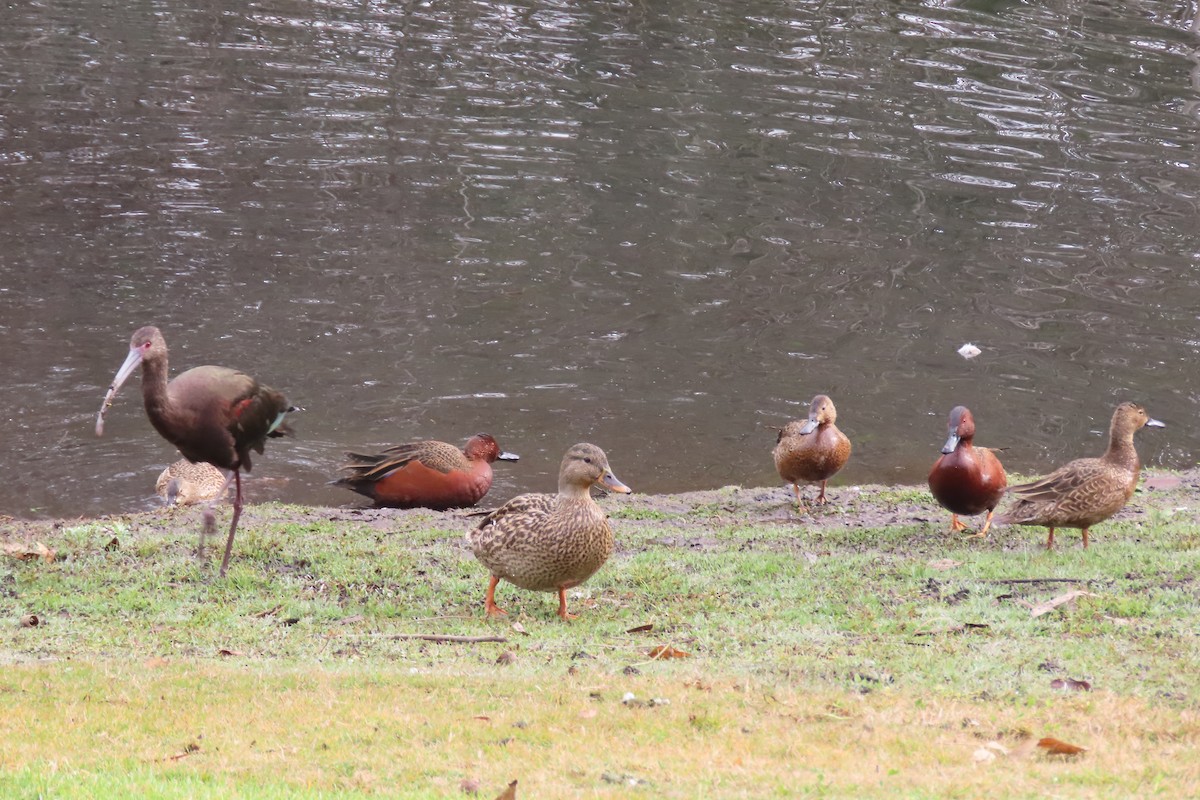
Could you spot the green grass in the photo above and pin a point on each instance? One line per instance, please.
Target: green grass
(824, 659)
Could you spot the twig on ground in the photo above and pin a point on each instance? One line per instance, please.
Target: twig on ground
(436, 637)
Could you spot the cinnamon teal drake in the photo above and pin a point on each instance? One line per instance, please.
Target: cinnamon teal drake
(1085, 491)
(427, 474)
(966, 480)
(812, 449)
(184, 483)
(550, 542)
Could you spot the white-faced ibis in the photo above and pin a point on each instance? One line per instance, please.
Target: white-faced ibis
(214, 415)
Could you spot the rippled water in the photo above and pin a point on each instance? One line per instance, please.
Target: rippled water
(662, 227)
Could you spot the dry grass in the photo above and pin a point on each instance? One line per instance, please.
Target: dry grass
(385, 730)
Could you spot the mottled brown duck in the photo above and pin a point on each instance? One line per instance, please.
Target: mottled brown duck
(184, 483)
(966, 479)
(550, 542)
(1085, 491)
(812, 450)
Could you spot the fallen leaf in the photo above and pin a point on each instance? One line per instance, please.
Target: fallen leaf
(28, 552)
(519, 628)
(943, 564)
(155, 662)
(469, 785)
(30, 621)
(507, 657)
(1057, 747)
(482, 717)
(1062, 599)
(113, 544)
(968, 351)
(666, 651)
(351, 619)
(1070, 684)
(649, 626)
(268, 613)
(587, 713)
(510, 793)
(226, 652)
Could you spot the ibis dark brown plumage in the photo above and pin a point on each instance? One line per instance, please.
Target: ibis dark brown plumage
(212, 414)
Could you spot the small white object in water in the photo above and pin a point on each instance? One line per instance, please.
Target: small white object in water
(969, 350)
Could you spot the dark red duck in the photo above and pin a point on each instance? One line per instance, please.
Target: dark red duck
(214, 415)
(427, 474)
(967, 480)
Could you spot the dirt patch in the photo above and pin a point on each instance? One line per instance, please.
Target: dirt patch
(687, 520)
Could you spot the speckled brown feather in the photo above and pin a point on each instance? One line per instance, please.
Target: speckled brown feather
(550, 542)
(184, 483)
(1085, 491)
(439, 456)
(544, 542)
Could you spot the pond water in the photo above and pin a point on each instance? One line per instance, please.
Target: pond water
(661, 227)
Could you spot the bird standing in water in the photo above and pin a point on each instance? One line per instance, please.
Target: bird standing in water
(211, 414)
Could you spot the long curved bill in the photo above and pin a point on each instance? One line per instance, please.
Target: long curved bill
(131, 363)
(610, 482)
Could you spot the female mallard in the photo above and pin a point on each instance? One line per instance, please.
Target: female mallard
(1087, 490)
(966, 479)
(550, 542)
(812, 449)
(426, 474)
(184, 483)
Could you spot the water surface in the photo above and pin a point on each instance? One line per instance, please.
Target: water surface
(662, 227)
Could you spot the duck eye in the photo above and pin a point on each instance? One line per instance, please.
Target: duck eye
(587, 459)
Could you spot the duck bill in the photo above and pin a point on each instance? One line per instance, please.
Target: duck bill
(610, 482)
(505, 456)
(808, 427)
(1154, 423)
(950, 445)
(131, 363)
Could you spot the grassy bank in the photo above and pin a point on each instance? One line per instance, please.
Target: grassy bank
(859, 651)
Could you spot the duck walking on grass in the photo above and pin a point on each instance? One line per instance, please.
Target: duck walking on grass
(966, 480)
(550, 542)
(1085, 491)
(812, 449)
(427, 474)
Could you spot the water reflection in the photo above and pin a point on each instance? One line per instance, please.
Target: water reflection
(660, 227)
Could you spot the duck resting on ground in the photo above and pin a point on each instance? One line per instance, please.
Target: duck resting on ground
(428, 474)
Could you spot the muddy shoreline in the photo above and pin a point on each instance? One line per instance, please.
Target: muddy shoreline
(684, 517)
